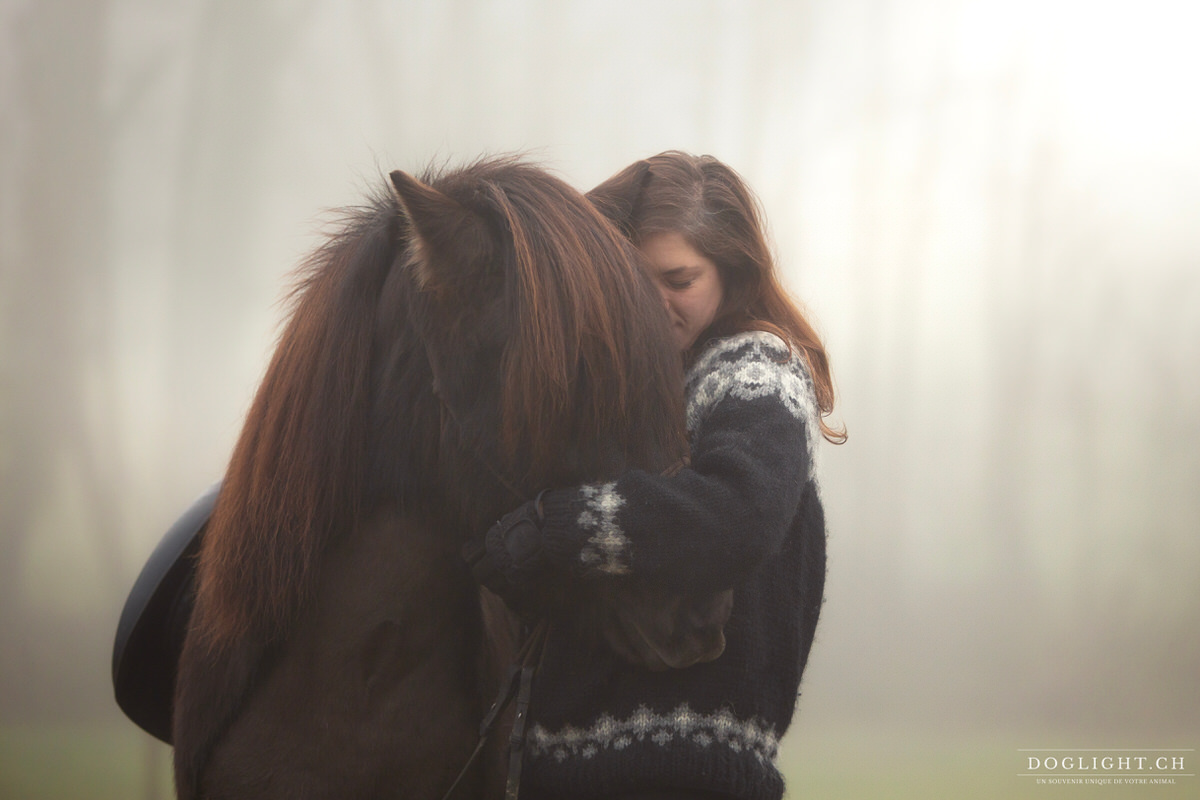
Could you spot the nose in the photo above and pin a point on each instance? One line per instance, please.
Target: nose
(666, 298)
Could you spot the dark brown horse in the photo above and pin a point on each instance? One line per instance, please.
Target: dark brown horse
(464, 341)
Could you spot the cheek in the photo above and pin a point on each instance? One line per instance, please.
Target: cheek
(687, 308)
(714, 301)
(676, 302)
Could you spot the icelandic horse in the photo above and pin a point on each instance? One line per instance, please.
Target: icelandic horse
(462, 341)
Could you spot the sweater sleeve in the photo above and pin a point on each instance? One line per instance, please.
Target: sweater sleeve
(752, 417)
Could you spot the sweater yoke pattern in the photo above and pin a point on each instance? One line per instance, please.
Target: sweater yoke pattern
(680, 726)
(746, 367)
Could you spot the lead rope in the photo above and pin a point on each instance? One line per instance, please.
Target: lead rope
(519, 683)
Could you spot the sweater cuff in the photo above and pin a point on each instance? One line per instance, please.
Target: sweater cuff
(561, 541)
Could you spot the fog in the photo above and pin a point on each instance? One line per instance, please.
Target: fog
(992, 211)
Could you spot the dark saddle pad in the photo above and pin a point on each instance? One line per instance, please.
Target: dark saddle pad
(154, 621)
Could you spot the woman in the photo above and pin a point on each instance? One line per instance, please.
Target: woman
(745, 515)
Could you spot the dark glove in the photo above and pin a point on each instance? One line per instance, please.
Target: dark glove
(508, 556)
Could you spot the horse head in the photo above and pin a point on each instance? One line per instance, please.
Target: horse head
(545, 341)
(462, 342)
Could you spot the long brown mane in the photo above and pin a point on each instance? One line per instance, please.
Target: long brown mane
(553, 365)
(297, 471)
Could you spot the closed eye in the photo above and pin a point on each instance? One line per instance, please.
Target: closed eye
(679, 278)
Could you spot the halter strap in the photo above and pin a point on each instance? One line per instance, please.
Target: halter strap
(448, 410)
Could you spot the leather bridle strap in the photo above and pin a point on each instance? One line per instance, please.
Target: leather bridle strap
(517, 683)
(516, 740)
(485, 727)
(448, 410)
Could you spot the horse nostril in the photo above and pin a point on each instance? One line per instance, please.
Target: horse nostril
(717, 648)
(713, 611)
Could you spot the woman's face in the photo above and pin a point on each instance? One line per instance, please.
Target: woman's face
(689, 283)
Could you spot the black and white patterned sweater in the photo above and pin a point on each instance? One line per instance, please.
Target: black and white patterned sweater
(746, 515)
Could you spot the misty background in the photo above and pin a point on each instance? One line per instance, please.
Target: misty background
(991, 209)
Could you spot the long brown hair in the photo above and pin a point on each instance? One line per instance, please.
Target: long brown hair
(715, 211)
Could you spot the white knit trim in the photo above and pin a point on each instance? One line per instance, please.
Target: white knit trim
(754, 372)
(682, 725)
(607, 548)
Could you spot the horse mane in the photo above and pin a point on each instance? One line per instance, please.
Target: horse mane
(297, 471)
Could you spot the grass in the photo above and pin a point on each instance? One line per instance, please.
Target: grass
(66, 762)
(899, 765)
(103, 761)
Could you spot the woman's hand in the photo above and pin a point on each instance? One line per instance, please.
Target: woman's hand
(508, 556)
(644, 625)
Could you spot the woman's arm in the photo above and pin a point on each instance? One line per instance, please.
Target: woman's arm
(707, 526)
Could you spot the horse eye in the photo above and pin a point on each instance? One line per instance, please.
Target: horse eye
(494, 328)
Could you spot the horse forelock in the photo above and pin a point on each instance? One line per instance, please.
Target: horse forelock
(589, 365)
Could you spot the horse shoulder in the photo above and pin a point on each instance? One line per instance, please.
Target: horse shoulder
(374, 690)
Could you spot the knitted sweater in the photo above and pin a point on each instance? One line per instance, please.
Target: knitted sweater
(746, 515)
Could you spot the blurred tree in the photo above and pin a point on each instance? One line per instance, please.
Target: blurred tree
(238, 53)
(864, 370)
(57, 409)
(1014, 251)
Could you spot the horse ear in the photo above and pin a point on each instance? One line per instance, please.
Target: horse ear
(449, 238)
(618, 197)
